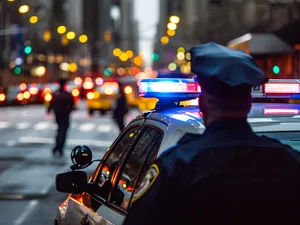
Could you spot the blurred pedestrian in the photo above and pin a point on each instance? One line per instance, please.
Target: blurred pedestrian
(62, 104)
(120, 108)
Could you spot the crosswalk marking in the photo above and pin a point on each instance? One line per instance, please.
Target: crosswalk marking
(45, 140)
(105, 128)
(4, 125)
(22, 126)
(87, 127)
(49, 126)
(43, 126)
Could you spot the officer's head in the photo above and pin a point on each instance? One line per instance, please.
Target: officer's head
(226, 77)
(62, 83)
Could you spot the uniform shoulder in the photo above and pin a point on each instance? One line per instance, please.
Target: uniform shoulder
(189, 137)
(181, 153)
(274, 140)
(287, 147)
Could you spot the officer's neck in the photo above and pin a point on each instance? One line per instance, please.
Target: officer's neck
(236, 116)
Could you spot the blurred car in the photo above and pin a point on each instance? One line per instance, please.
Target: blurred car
(131, 90)
(17, 94)
(88, 85)
(75, 91)
(102, 98)
(35, 91)
(107, 196)
(49, 89)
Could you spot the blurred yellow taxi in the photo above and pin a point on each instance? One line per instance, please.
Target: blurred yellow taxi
(146, 104)
(102, 98)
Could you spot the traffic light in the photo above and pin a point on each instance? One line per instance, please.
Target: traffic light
(107, 72)
(155, 56)
(276, 69)
(17, 70)
(27, 49)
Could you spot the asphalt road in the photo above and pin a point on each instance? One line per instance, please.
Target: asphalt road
(27, 167)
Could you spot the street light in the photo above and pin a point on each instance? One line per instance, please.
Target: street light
(164, 40)
(33, 19)
(71, 35)
(83, 38)
(129, 53)
(10, 0)
(123, 57)
(47, 35)
(61, 29)
(174, 19)
(172, 26)
(23, 9)
(171, 33)
(117, 52)
(73, 67)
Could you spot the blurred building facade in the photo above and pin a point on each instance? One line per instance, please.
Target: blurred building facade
(223, 20)
(51, 46)
(219, 21)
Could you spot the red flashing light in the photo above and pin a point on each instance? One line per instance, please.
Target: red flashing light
(281, 111)
(282, 88)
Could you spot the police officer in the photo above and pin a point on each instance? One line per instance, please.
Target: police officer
(227, 175)
(121, 108)
(62, 104)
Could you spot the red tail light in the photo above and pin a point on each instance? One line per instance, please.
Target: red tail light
(22, 86)
(75, 92)
(88, 85)
(20, 97)
(48, 97)
(2, 97)
(128, 90)
(90, 95)
(26, 95)
(33, 90)
(78, 81)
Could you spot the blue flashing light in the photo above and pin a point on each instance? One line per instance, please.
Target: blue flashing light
(179, 89)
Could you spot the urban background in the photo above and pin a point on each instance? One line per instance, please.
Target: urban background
(97, 45)
(43, 39)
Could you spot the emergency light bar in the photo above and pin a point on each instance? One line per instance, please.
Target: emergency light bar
(176, 88)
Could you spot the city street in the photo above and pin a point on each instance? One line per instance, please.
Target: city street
(27, 167)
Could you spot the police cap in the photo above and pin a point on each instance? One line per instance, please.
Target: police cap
(225, 72)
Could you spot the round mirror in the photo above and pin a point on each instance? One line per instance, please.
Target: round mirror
(81, 156)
